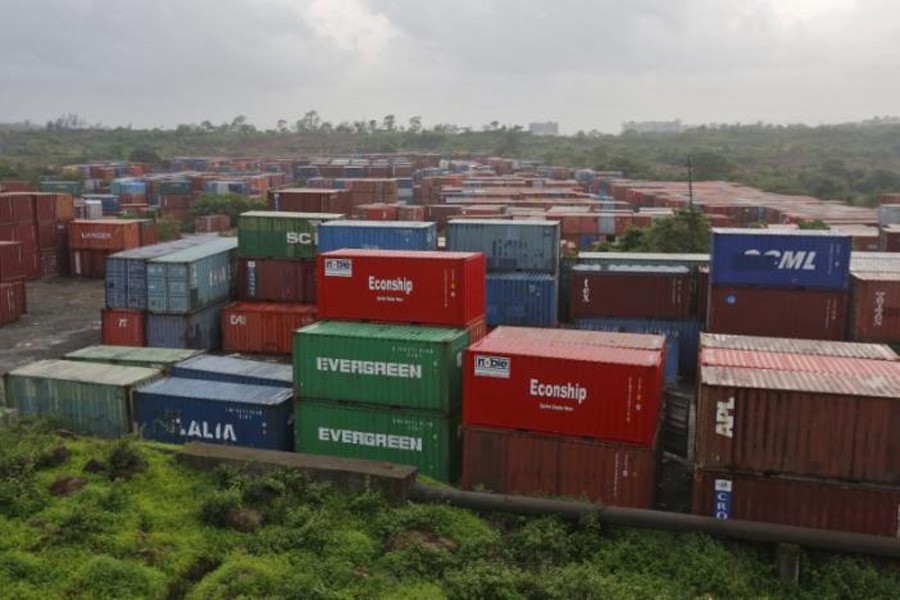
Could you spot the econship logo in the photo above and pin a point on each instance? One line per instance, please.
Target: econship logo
(338, 267)
(368, 367)
(370, 439)
(788, 260)
(400, 284)
(204, 431)
(565, 391)
(492, 366)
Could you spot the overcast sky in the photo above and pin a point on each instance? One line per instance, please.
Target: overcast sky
(587, 64)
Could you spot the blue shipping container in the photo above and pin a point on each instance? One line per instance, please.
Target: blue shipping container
(199, 330)
(183, 281)
(508, 245)
(377, 235)
(760, 257)
(526, 299)
(685, 335)
(176, 411)
(235, 370)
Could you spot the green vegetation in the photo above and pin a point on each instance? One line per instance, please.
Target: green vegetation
(226, 204)
(131, 522)
(689, 231)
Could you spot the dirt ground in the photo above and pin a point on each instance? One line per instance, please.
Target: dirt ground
(63, 315)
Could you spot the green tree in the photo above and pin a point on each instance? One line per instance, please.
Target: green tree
(415, 124)
(143, 154)
(226, 204)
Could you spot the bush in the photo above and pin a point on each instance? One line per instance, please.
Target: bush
(215, 509)
(106, 577)
(226, 204)
(125, 460)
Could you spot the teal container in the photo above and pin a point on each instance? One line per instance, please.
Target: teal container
(188, 280)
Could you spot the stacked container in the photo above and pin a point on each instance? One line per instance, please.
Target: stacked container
(875, 298)
(522, 260)
(38, 221)
(564, 413)
(388, 391)
(779, 283)
(13, 269)
(90, 242)
(276, 273)
(799, 433)
(186, 292)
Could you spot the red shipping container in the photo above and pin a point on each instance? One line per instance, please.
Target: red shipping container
(639, 294)
(807, 424)
(88, 263)
(18, 185)
(263, 328)
(791, 313)
(891, 239)
(107, 234)
(53, 207)
(310, 200)
(515, 462)
(702, 294)
(805, 363)
(876, 307)
(795, 346)
(276, 280)
(13, 262)
(176, 202)
(376, 212)
(148, 232)
(12, 302)
(123, 327)
(22, 231)
(16, 207)
(51, 235)
(837, 506)
(54, 263)
(410, 212)
(577, 389)
(428, 288)
(212, 223)
(577, 224)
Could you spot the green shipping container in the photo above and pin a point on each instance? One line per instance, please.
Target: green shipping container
(428, 441)
(131, 356)
(390, 365)
(87, 398)
(265, 234)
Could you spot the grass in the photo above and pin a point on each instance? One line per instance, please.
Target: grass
(158, 529)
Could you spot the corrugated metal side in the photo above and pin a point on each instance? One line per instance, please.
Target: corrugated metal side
(12, 261)
(799, 433)
(685, 334)
(83, 398)
(876, 307)
(528, 299)
(508, 245)
(377, 235)
(515, 462)
(276, 280)
(781, 313)
(263, 234)
(263, 328)
(425, 440)
(390, 365)
(13, 302)
(780, 361)
(795, 346)
(177, 411)
(819, 504)
(235, 370)
(122, 327)
(190, 279)
(814, 259)
(631, 294)
(199, 330)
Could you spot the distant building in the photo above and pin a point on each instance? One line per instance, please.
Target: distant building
(653, 126)
(548, 128)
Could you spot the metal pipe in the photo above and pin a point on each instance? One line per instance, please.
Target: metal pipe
(668, 521)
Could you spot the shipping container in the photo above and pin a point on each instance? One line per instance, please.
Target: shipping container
(837, 506)
(85, 398)
(807, 363)
(799, 423)
(521, 463)
(263, 234)
(109, 235)
(807, 314)
(13, 302)
(631, 292)
(123, 327)
(128, 356)
(601, 392)
(13, 261)
(198, 330)
(795, 346)
(701, 296)
(780, 259)
(393, 365)
(310, 200)
(377, 235)
(508, 245)
(429, 288)
(682, 339)
(176, 410)
(527, 299)
(212, 223)
(187, 280)
(276, 280)
(262, 327)
(88, 263)
(15, 207)
(876, 307)
(426, 440)
(235, 370)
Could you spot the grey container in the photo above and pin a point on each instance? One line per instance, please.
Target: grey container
(508, 245)
(86, 398)
(235, 370)
(190, 279)
(199, 330)
(177, 410)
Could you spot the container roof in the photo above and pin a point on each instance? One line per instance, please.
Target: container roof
(191, 254)
(797, 346)
(380, 224)
(407, 333)
(239, 367)
(85, 372)
(822, 383)
(219, 391)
